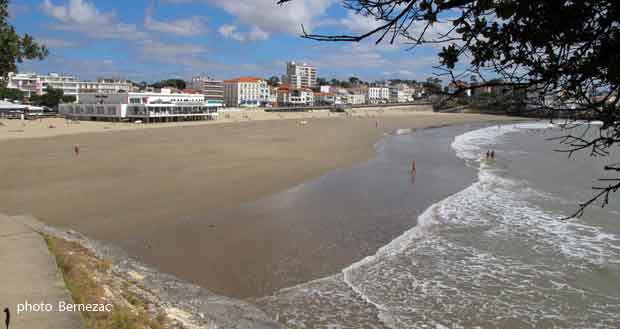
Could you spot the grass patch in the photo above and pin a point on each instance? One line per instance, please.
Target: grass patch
(79, 266)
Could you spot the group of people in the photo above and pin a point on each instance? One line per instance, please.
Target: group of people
(490, 155)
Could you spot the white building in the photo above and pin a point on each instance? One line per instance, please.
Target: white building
(295, 97)
(300, 75)
(246, 92)
(327, 99)
(147, 107)
(36, 84)
(20, 111)
(355, 99)
(377, 95)
(212, 89)
(401, 94)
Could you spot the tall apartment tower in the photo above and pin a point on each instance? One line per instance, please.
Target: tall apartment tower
(300, 75)
(211, 88)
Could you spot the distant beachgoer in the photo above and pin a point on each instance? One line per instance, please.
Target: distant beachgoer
(76, 149)
(488, 155)
(7, 317)
(493, 155)
(413, 169)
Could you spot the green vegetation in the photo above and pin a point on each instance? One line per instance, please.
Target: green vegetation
(13, 47)
(174, 83)
(77, 265)
(51, 98)
(11, 94)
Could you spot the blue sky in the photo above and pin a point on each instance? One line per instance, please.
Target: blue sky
(155, 39)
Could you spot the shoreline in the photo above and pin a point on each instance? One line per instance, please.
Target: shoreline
(13, 129)
(132, 234)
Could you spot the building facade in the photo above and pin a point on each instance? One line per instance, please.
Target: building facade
(300, 75)
(401, 94)
(36, 84)
(377, 95)
(212, 89)
(147, 107)
(246, 92)
(295, 97)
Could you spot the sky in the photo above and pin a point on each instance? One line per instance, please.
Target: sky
(150, 40)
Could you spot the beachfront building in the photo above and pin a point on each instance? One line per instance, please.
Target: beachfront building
(163, 106)
(401, 93)
(355, 99)
(327, 99)
(246, 92)
(300, 75)
(20, 111)
(295, 97)
(212, 89)
(378, 95)
(37, 84)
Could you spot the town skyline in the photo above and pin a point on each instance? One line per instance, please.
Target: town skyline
(155, 40)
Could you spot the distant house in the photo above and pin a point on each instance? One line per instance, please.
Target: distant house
(459, 86)
(295, 97)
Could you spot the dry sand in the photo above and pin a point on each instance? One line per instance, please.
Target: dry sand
(125, 181)
(17, 129)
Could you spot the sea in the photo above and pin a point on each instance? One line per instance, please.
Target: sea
(500, 252)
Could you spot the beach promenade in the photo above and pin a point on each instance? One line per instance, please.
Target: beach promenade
(28, 273)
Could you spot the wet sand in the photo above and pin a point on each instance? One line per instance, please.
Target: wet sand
(126, 183)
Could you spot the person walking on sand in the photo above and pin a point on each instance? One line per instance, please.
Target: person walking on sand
(7, 317)
(76, 149)
(493, 154)
(413, 169)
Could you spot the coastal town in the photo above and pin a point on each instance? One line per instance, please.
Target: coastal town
(201, 97)
(309, 164)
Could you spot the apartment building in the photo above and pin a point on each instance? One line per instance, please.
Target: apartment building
(36, 84)
(246, 92)
(300, 75)
(377, 95)
(401, 93)
(212, 89)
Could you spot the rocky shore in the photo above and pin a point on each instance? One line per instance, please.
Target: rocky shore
(184, 305)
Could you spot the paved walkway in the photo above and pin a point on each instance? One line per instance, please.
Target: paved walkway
(28, 272)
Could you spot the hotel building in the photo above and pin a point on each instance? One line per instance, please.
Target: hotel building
(212, 89)
(36, 84)
(378, 95)
(300, 75)
(148, 107)
(246, 92)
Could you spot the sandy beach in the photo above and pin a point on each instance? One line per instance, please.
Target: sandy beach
(129, 178)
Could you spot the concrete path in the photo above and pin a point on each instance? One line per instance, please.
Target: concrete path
(28, 272)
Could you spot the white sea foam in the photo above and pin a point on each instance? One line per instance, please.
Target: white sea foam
(485, 257)
(511, 216)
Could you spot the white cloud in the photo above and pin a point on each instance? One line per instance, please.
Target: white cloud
(82, 16)
(352, 56)
(359, 24)
(265, 16)
(190, 26)
(57, 43)
(230, 32)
